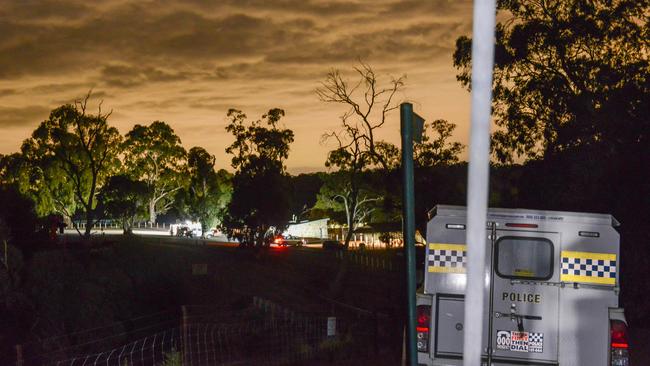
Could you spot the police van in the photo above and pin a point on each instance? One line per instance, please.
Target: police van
(551, 289)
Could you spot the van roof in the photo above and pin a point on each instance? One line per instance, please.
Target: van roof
(529, 215)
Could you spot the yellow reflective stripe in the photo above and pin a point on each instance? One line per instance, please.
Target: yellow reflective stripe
(588, 279)
(446, 269)
(438, 246)
(588, 255)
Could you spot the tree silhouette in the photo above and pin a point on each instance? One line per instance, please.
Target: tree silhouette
(368, 103)
(567, 74)
(435, 148)
(261, 191)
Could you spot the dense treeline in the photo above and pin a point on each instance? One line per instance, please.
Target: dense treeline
(78, 167)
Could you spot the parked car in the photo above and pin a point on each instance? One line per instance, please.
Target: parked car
(294, 240)
(277, 240)
(333, 245)
(184, 231)
(196, 232)
(212, 233)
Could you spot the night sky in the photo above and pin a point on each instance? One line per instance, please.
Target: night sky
(187, 63)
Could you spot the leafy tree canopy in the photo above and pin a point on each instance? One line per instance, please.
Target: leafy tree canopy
(435, 149)
(568, 74)
(74, 151)
(256, 141)
(261, 191)
(154, 154)
(209, 191)
(337, 195)
(40, 179)
(124, 199)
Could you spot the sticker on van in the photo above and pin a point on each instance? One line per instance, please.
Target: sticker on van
(510, 340)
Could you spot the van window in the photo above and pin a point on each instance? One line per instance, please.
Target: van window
(524, 258)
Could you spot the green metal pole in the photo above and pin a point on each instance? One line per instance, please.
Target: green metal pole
(408, 214)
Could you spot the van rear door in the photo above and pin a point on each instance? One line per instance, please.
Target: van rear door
(524, 301)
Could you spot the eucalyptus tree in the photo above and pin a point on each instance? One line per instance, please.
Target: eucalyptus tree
(368, 102)
(154, 154)
(261, 186)
(571, 97)
(208, 191)
(338, 195)
(436, 148)
(124, 199)
(42, 180)
(567, 75)
(74, 152)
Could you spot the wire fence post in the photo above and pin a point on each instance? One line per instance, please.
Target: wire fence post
(19, 355)
(142, 350)
(184, 335)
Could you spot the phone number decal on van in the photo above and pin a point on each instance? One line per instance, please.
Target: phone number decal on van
(510, 340)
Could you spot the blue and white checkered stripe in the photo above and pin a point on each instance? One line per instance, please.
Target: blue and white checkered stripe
(447, 258)
(589, 267)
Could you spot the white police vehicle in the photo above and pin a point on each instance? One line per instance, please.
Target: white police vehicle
(552, 286)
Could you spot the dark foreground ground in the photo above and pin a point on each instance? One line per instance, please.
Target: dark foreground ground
(141, 293)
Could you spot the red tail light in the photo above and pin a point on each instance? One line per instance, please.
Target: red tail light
(618, 342)
(422, 328)
(618, 334)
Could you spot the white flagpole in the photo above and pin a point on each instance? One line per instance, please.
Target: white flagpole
(478, 177)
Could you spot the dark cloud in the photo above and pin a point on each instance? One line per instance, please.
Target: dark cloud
(282, 7)
(22, 116)
(8, 91)
(71, 97)
(129, 76)
(216, 103)
(57, 88)
(418, 41)
(34, 11)
(440, 8)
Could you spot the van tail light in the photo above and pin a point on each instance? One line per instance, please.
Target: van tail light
(618, 343)
(422, 328)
